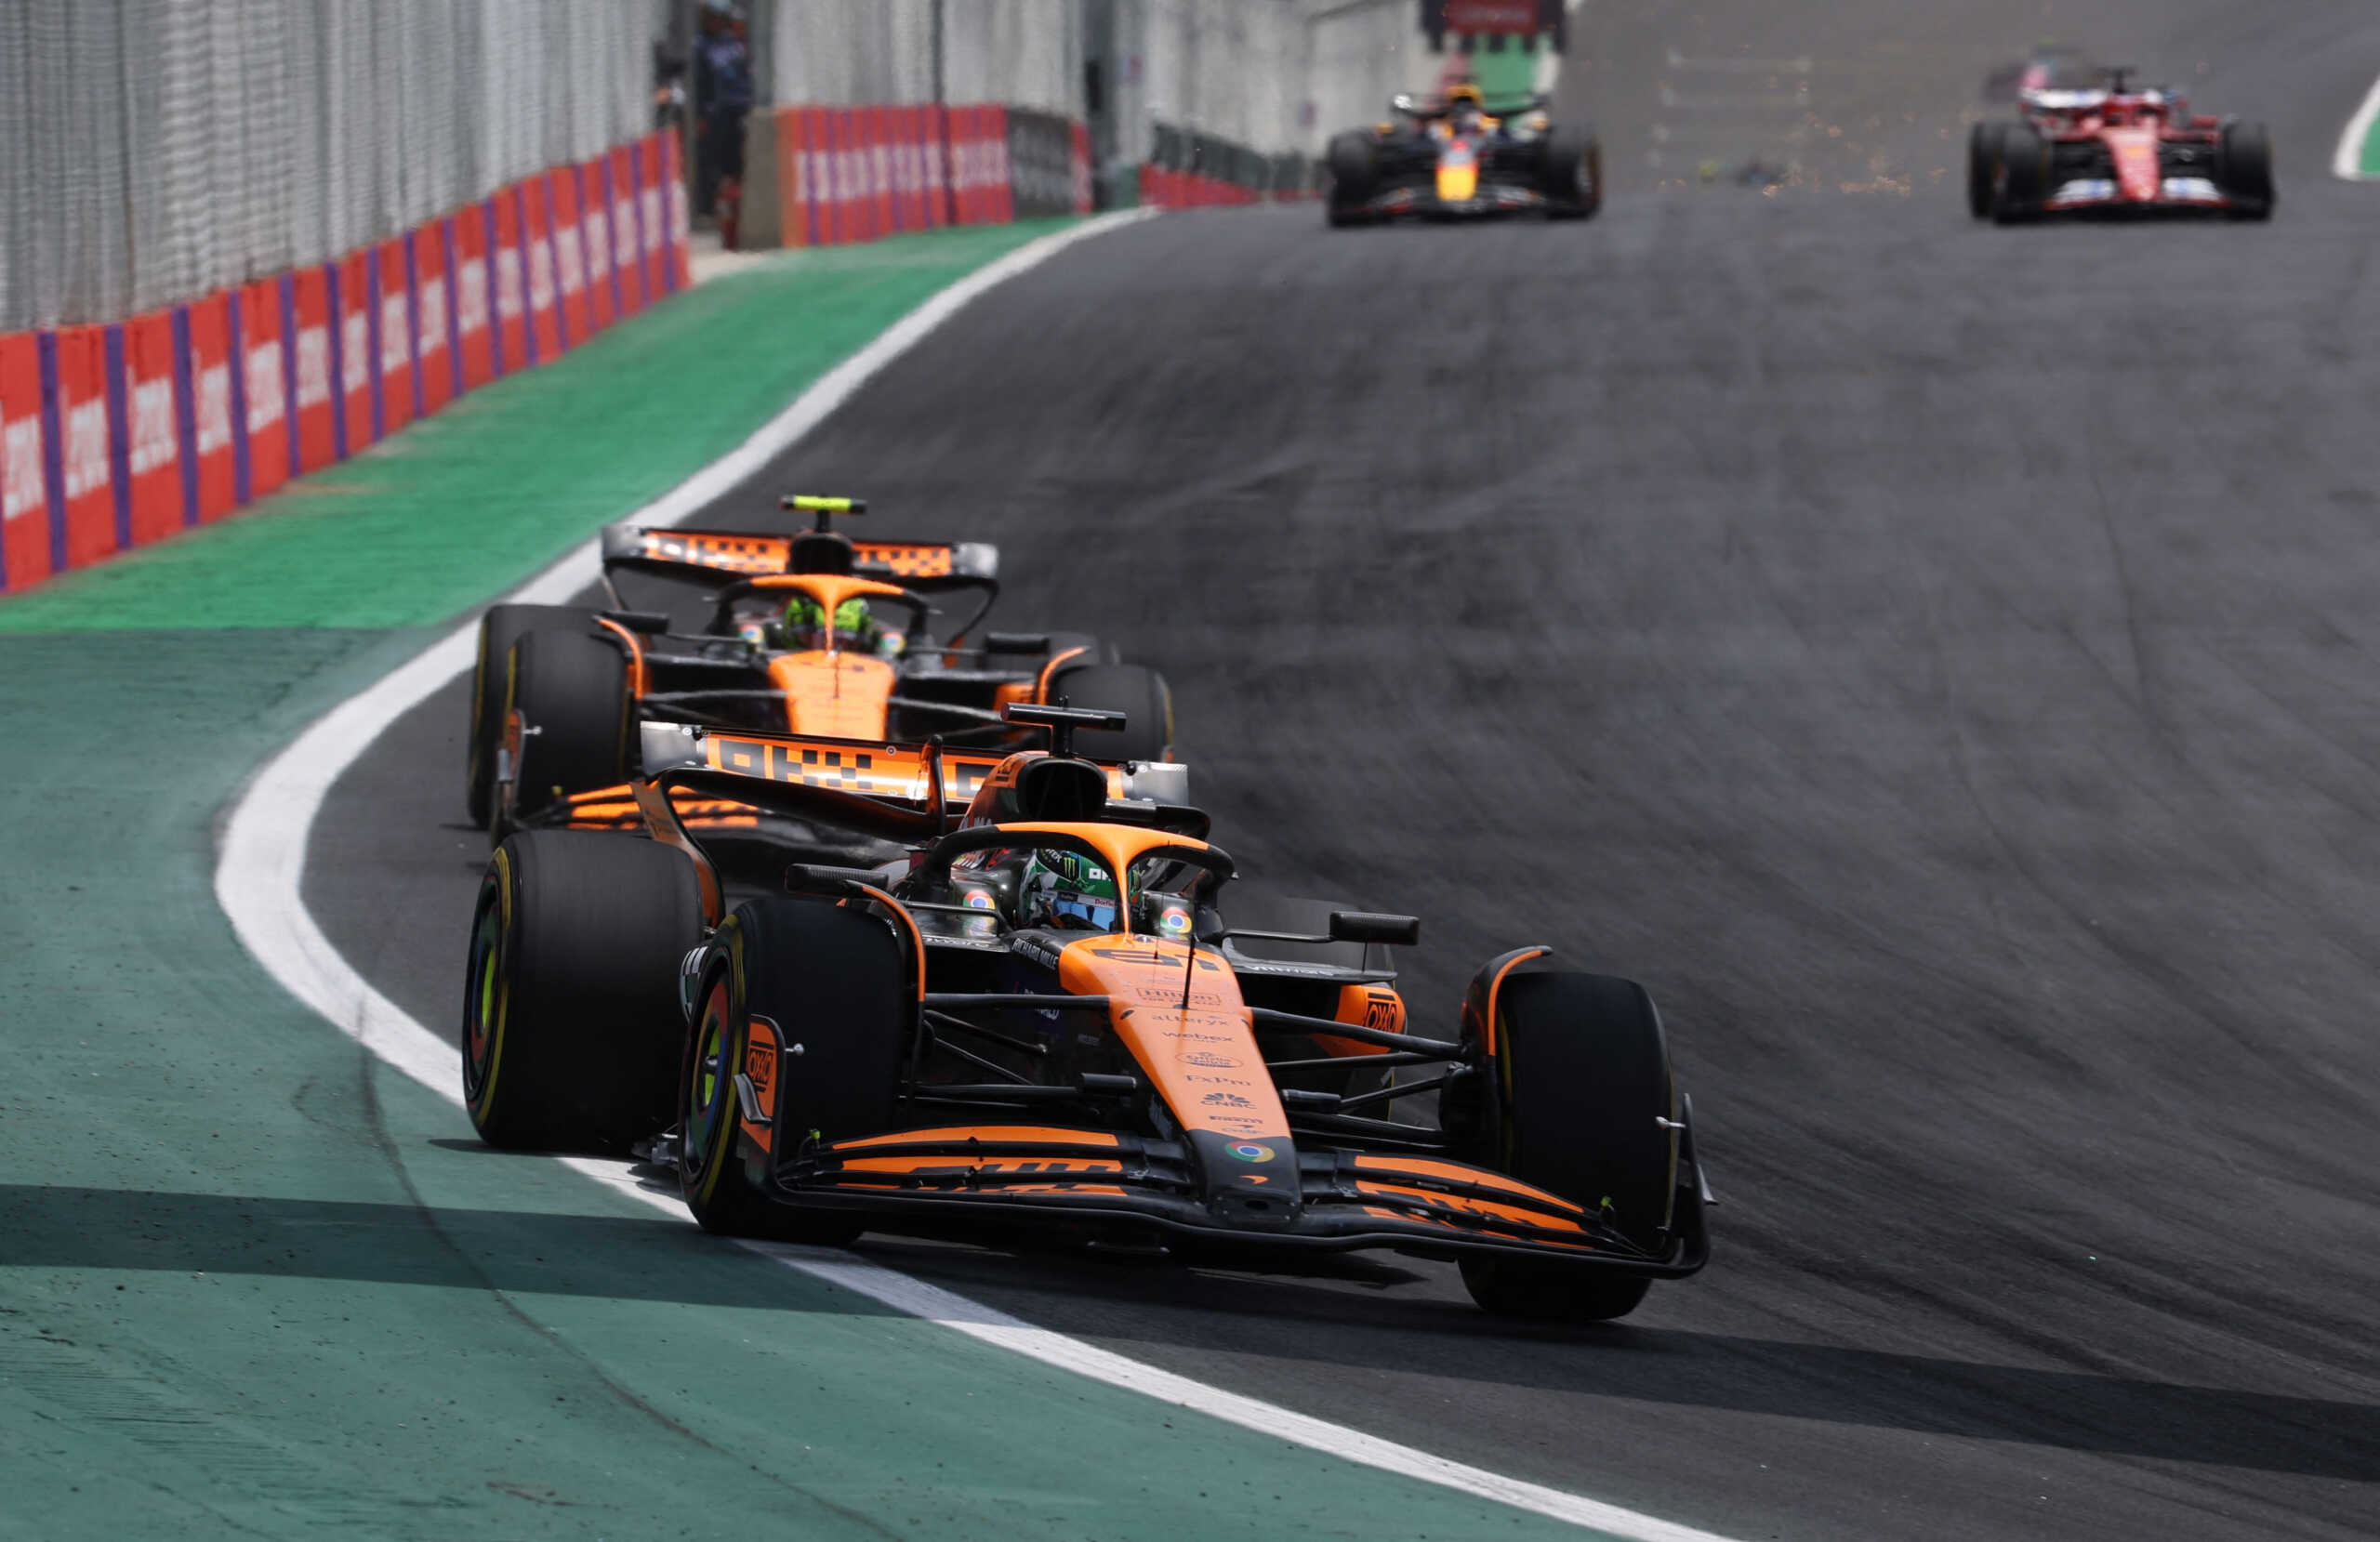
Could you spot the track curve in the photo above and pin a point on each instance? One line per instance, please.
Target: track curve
(1938, 660)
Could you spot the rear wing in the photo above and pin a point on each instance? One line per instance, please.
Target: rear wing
(743, 554)
(895, 773)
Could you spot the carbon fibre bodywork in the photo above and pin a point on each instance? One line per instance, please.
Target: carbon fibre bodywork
(1425, 164)
(1151, 1082)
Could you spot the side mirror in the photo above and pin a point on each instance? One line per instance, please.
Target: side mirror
(1364, 925)
(1401, 103)
(651, 623)
(1016, 642)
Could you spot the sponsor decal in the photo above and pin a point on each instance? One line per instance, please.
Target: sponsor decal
(568, 260)
(264, 385)
(508, 283)
(433, 317)
(152, 428)
(1219, 1062)
(1228, 1100)
(86, 447)
(541, 276)
(355, 365)
(760, 1065)
(1250, 1151)
(396, 351)
(313, 366)
(470, 295)
(21, 452)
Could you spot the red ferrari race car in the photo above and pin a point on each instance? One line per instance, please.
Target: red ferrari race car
(1050, 1017)
(2116, 150)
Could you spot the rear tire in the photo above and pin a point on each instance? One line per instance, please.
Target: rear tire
(833, 983)
(572, 690)
(2022, 182)
(572, 1027)
(1581, 1073)
(1984, 142)
(1354, 174)
(2246, 166)
(1140, 693)
(501, 627)
(1573, 174)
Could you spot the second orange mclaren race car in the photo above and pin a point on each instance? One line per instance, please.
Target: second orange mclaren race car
(1041, 1019)
(808, 633)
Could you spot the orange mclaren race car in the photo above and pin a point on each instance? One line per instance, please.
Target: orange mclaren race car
(811, 634)
(1041, 1019)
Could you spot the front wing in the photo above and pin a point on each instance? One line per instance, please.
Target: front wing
(936, 1178)
(1422, 200)
(2105, 195)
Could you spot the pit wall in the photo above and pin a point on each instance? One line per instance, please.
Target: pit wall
(113, 436)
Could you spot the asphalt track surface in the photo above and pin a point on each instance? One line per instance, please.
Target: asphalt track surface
(1939, 661)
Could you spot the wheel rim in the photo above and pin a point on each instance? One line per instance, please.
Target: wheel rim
(483, 1002)
(708, 1084)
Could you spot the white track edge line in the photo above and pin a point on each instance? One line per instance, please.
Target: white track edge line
(2346, 160)
(259, 881)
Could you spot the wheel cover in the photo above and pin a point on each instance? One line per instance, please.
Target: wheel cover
(708, 1088)
(485, 998)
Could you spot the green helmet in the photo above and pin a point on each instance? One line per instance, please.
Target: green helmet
(1068, 892)
(804, 613)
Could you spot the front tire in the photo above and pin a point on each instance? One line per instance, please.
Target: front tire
(1582, 1085)
(571, 1021)
(829, 984)
(1354, 174)
(2247, 170)
(2021, 183)
(1573, 174)
(1983, 145)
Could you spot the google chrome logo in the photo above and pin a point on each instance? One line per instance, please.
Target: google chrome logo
(1248, 1150)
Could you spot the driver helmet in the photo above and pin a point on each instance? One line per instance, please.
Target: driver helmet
(805, 620)
(1068, 892)
(1463, 91)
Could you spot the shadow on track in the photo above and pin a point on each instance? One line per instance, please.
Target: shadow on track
(66, 1227)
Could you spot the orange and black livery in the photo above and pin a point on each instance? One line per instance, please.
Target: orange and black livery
(804, 632)
(1043, 1015)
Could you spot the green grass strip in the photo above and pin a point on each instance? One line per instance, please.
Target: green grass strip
(436, 519)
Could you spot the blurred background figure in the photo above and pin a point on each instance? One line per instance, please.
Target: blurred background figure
(723, 68)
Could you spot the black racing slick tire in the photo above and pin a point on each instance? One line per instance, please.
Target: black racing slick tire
(808, 1006)
(571, 689)
(1354, 174)
(1573, 172)
(2246, 168)
(2021, 185)
(1587, 1111)
(1140, 693)
(572, 1026)
(501, 627)
(1984, 142)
